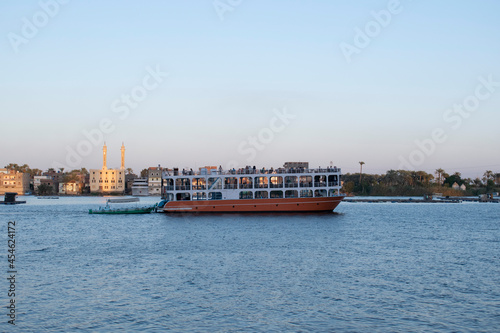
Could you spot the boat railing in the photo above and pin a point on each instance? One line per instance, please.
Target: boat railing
(252, 171)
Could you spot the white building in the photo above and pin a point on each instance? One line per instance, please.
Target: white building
(140, 187)
(154, 181)
(37, 181)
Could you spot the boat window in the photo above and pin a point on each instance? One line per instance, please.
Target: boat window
(291, 194)
(320, 181)
(215, 196)
(291, 181)
(170, 196)
(168, 183)
(231, 183)
(199, 196)
(245, 182)
(333, 180)
(199, 183)
(319, 193)
(183, 196)
(306, 193)
(276, 194)
(246, 195)
(333, 193)
(261, 182)
(305, 181)
(214, 183)
(261, 195)
(276, 182)
(182, 184)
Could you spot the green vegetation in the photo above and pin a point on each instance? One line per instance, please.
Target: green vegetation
(45, 189)
(24, 169)
(418, 183)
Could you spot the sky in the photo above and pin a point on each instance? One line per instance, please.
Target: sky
(396, 84)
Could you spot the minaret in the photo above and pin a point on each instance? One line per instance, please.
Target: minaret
(123, 157)
(104, 153)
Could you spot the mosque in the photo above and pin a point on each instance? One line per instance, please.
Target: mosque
(105, 180)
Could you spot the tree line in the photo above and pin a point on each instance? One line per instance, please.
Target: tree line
(418, 183)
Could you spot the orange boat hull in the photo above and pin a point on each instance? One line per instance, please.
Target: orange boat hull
(254, 205)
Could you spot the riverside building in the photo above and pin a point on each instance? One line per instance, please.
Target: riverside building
(106, 180)
(14, 181)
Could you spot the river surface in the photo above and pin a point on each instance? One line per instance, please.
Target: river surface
(369, 267)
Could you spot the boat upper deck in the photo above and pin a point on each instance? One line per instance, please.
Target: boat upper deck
(250, 171)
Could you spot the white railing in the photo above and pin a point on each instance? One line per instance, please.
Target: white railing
(252, 171)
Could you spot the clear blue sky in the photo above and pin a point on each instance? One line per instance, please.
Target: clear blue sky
(230, 69)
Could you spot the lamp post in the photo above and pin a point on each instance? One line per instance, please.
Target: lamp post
(360, 174)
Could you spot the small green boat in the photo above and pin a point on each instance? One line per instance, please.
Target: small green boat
(131, 210)
(143, 210)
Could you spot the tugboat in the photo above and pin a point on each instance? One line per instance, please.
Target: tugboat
(130, 210)
(293, 188)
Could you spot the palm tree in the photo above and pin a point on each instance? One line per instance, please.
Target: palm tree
(36, 172)
(390, 177)
(130, 171)
(12, 166)
(361, 170)
(477, 182)
(487, 175)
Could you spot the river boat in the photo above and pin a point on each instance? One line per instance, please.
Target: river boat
(293, 188)
(128, 210)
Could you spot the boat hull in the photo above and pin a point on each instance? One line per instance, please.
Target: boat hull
(323, 204)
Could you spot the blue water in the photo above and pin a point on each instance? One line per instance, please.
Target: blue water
(368, 268)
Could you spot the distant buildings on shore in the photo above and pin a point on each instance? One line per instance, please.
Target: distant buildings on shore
(103, 181)
(109, 181)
